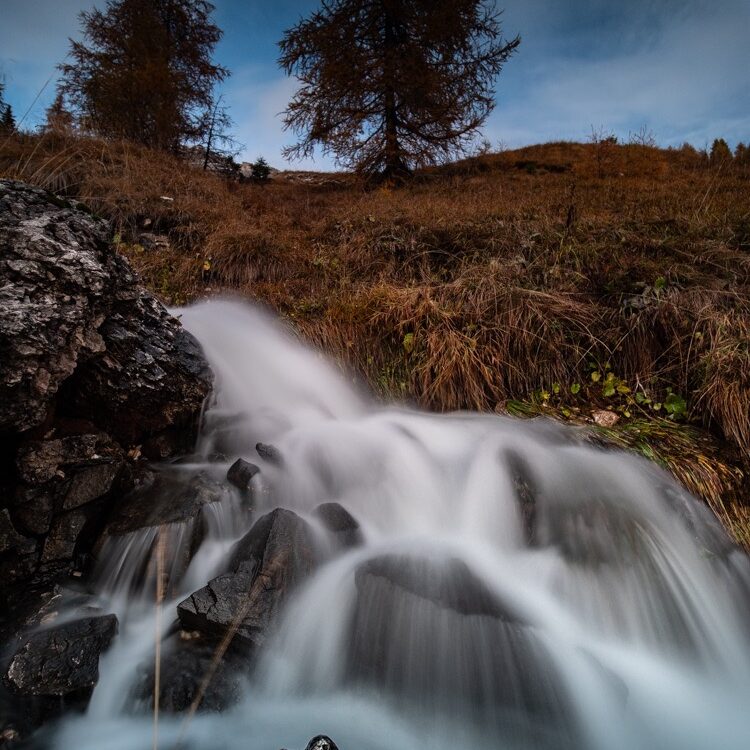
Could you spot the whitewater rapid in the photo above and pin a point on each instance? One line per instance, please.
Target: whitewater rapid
(547, 594)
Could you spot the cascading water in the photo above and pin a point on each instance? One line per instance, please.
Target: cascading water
(515, 589)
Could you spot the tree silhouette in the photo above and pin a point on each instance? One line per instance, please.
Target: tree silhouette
(7, 120)
(218, 145)
(58, 119)
(720, 152)
(143, 71)
(742, 154)
(390, 85)
(260, 170)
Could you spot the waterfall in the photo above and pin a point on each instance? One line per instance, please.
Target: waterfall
(514, 588)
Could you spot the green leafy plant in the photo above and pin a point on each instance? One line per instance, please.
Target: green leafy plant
(675, 406)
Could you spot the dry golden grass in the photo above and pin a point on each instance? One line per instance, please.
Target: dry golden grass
(484, 281)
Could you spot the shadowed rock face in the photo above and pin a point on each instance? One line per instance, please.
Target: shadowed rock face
(151, 377)
(265, 565)
(164, 498)
(56, 286)
(185, 661)
(91, 365)
(61, 660)
(52, 664)
(71, 306)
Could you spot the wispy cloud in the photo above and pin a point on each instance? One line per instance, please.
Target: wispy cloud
(686, 79)
(677, 66)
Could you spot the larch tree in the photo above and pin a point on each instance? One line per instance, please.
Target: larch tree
(144, 71)
(742, 154)
(387, 86)
(720, 152)
(217, 144)
(58, 119)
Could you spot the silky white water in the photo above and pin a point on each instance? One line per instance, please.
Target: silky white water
(515, 589)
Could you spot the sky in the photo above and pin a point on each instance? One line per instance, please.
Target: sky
(679, 68)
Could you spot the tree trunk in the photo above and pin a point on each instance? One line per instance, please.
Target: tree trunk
(393, 164)
(210, 136)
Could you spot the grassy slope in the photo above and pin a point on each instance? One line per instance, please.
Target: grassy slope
(559, 279)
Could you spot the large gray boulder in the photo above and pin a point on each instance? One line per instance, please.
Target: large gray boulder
(71, 306)
(277, 554)
(93, 371)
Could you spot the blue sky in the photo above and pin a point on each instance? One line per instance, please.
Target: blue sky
(680, 68)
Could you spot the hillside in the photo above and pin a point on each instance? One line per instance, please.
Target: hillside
(602, 285)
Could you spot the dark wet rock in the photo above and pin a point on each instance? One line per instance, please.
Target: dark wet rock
(446, 582)
(44, 608)
(63, 482)
(269, 453)
(72, 314)
(10, 539)
(61, 541)
(164, 496)
(171, 442)
(429, 630)
(33, 509)
(185, 662)
(17, 566)
(40, 461)
(527, 492)
(341, 525)
(56, 667)
(56, 282)
(241, 472)
(151, 378)
(91, 367)
(275, 556)
(62, 473)
(321, 742)
(168, 506)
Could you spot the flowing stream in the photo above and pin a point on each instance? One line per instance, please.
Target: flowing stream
(515, 587)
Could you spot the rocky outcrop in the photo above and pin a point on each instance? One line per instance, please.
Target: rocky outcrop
(93, 372)
(186, 660)
(269, 453)
(265, 565)
(53, 663)
(150, 378)
(71, 306)
(60, 661)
